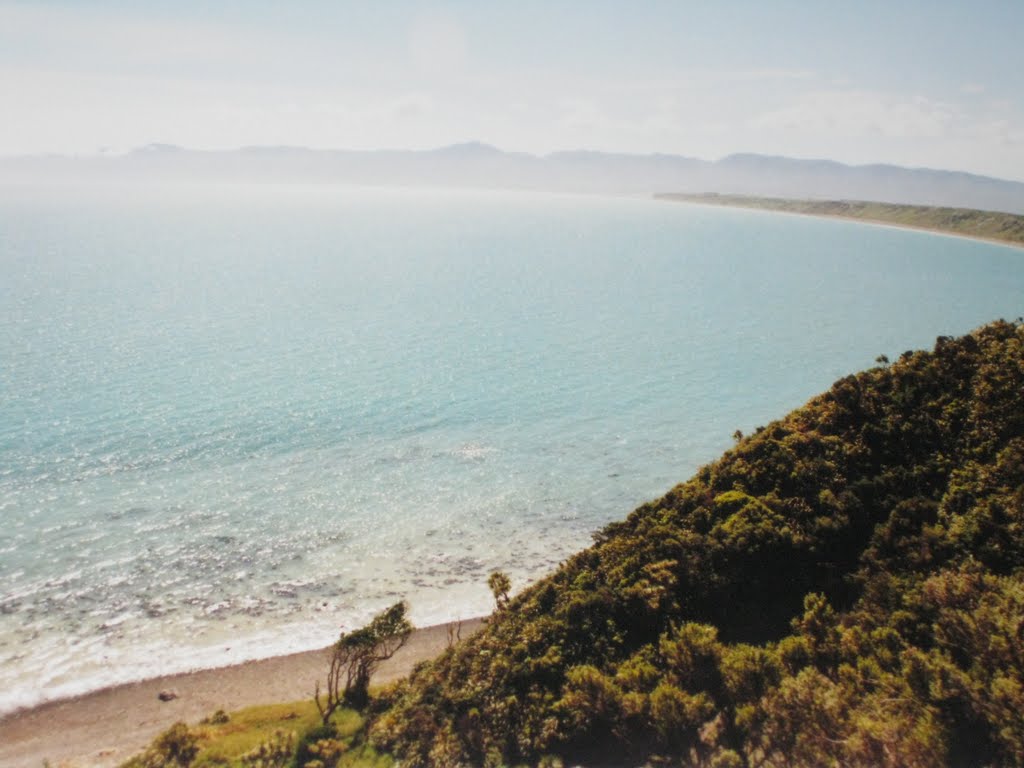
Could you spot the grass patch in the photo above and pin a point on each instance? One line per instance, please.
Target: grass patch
(224, 744)
(365, 756)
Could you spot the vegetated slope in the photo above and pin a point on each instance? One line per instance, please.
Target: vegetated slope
(1008, 227)
(845, 586)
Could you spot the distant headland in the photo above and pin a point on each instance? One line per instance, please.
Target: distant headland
(964, 222)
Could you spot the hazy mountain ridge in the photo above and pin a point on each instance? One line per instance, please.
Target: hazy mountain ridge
(478, 165)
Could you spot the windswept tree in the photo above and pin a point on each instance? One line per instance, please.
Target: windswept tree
(356, 656)
(500, 585)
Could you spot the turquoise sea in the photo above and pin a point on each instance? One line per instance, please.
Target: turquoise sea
(235, 420)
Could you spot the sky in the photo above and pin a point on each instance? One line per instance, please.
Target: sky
(925, 84)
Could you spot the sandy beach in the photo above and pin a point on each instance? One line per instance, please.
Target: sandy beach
(106, 727)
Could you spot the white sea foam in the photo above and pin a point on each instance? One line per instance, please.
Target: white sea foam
(474, 451)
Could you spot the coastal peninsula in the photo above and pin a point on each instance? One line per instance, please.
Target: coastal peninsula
(966, 222)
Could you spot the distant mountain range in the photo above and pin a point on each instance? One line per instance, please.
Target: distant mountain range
(477, 165)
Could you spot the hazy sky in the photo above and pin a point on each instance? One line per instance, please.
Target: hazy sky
(934, 83)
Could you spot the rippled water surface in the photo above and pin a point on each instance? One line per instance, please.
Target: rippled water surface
(233, 420)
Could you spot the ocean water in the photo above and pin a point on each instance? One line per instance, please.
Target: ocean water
(236, 420)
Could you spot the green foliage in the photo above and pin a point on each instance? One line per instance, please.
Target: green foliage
(364, 756)
(845, 586)
(266, 736)
(217, 718)
(310, 748)
(676, 714)
(277, 752)
(177, 747)
(355, 657)
(500, 585)
(224, 744)
(592, 702)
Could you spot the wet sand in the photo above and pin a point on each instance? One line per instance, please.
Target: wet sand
(106, 727)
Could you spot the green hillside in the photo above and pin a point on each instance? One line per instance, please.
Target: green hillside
(844, 587)
(992, 225)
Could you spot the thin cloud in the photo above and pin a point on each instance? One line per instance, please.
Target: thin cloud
(77, 77)
(81, 40)
(437, 45)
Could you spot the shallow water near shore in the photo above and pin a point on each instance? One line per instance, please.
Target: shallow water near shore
(234, 420)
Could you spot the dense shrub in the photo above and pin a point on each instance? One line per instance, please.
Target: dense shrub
(845, 586)
(177, 747)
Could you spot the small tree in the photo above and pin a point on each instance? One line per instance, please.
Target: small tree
(454, 632)
(500, 585)
(356, 656)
